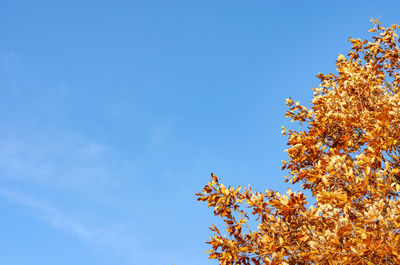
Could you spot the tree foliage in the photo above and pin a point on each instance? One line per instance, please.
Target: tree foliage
(347, 154)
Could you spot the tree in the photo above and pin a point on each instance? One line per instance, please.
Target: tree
(347, 154)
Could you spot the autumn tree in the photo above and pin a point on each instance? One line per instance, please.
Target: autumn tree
(347, 154)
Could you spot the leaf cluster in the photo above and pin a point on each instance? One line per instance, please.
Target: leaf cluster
(347, 153)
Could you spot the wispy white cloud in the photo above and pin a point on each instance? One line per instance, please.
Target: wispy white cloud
(113, 237)
(51, 215)
(77, 176)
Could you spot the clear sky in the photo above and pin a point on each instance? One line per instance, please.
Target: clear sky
(114, 113)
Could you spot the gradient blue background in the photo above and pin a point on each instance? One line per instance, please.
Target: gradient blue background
(114, 113)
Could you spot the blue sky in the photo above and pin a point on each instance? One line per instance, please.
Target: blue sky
(114, 113)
